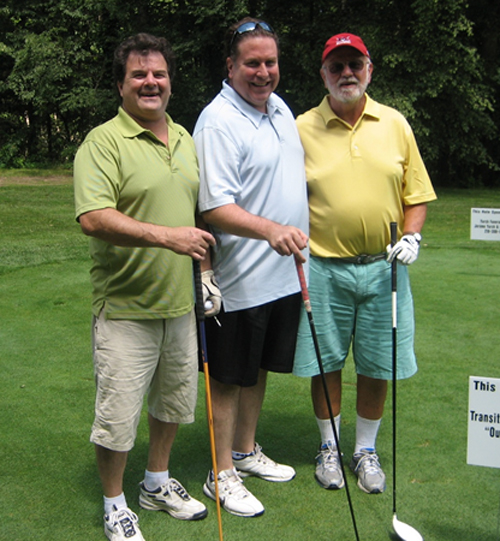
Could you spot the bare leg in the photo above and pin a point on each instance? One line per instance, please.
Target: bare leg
(161, 439)
(111, 465)
(225, 400)
(249, 408)
(371, 397)
(334, 386)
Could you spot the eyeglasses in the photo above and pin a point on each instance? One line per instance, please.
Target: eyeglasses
(338, 67)
(250, 27)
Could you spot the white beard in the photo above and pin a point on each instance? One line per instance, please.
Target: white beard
(347, 95)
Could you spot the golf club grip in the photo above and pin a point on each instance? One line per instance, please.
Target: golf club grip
(303, 286)
(200, 310)
(394, 240)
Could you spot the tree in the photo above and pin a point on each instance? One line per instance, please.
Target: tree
(435, 60)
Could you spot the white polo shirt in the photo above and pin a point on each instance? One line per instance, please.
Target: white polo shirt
(256, 161)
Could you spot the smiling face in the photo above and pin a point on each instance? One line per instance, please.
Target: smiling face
(346, 74)
(254, 73)
(146, 88)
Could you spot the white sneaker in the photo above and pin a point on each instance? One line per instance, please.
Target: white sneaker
(366, 465)
(233, 496)
(260, 465)
(122, 525)
(173, 498)
(328, 469)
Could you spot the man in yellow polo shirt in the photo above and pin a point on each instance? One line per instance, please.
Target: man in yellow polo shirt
(136, 189)
(363, 171)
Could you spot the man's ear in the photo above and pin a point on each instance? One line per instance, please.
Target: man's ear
(370, 71)
(323, 76)
(229, 67)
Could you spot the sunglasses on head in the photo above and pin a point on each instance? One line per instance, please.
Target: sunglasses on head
(250, 27)
(338, 67)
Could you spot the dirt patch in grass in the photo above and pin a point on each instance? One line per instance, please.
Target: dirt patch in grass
(26, 180)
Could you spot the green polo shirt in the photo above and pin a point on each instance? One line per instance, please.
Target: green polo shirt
(123, 166)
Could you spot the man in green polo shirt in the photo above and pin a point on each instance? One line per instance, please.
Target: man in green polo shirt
(136, 188)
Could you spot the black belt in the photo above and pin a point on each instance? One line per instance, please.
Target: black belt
(363, 259)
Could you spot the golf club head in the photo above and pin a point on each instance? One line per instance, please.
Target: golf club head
(404, 532)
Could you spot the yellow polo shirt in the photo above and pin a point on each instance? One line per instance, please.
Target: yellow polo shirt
(123, 166)
(359, 178)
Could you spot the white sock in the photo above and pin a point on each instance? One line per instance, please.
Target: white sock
(326, 430)
(366, 433)
(113, 504)
(154, 479)
(240, 456)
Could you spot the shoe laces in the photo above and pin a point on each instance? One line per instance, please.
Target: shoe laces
(172, 485)
(329, 457)
(126, 519)
(261, 457)
(369, 462)
(233, 485)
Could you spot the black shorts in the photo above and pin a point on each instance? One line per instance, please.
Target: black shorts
(248, 340)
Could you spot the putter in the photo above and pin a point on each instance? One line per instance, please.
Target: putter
(307, 306)
(200, 316)
(403, 531)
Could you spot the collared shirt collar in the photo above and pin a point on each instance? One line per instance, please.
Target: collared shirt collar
(253, 114)
(372, 109)
(129, 128)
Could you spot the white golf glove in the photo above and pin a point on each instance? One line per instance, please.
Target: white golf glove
(406, 250)
(211, 294)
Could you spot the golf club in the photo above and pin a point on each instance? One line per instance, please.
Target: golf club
(403, 531)
(200, 316)
(307, 306)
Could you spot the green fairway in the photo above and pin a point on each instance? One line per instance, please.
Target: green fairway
(50, 488)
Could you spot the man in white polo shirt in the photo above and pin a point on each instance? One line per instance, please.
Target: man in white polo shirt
(253, 195)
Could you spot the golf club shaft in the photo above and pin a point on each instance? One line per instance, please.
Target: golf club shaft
(394, 288)
(307, 306)
(200, 316)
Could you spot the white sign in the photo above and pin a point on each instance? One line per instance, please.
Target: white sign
(485, 224)
(483, 447)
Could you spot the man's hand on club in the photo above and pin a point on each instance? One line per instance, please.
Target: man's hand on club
(191, 241)
(288, 240)
(405, 251)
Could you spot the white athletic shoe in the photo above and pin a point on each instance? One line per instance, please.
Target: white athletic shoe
(328, 470)
(366, 466)
(260, 465)
(173, 498)
(234, 497)
(122, 525)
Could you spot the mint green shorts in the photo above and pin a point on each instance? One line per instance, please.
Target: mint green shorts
(352, 305)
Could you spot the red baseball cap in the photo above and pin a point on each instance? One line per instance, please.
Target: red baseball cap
(344, 40)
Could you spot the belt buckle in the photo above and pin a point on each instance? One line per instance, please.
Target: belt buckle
(362, 259)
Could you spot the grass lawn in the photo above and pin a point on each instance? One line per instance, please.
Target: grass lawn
(50, 488)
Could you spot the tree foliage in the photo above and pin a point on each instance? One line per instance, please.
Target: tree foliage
(435, 60)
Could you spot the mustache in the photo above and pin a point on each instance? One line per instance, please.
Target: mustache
(348, 81)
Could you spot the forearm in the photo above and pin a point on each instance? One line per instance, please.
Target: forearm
(414, 218)
(116, 228)
(286, 240)
(237, 221)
